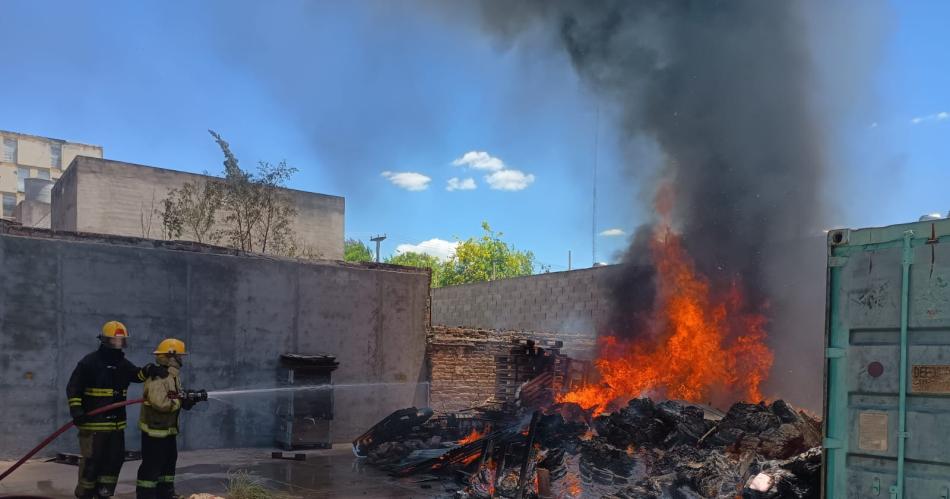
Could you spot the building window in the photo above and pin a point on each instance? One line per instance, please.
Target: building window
(42, 173)
(9, 150)
(56, 155)
(9, 204)
(21, 175)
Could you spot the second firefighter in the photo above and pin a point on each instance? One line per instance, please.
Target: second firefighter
(164, 398)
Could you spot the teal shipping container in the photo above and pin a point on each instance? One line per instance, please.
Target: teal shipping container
(887, 375)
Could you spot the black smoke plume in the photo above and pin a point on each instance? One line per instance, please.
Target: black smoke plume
(724, 88)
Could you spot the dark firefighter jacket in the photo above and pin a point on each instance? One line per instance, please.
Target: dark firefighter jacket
(101, 378)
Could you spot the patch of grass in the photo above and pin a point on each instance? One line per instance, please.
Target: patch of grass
(243, 485)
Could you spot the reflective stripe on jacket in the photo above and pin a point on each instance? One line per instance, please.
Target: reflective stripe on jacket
(99, 379)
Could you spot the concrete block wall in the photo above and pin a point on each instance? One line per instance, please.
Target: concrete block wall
(571, 305)
(236, 314)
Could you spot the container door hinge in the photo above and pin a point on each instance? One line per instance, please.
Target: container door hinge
(837, 261)
(831, 443)
(893, 490)
(876, 486)
(834, 352)
(908, 255)
(903, 434)
(945, 493)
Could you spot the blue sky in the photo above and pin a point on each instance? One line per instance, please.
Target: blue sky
(346, 91)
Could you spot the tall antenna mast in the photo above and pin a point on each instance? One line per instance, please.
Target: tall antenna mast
(593, 209)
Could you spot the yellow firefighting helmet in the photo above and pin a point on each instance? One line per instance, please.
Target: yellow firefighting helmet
(114, 329)
(114, 335)
(171, 346)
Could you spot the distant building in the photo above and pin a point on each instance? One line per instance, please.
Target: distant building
(113, 197)
(29, 164)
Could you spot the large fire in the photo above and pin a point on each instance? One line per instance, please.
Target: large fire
(703, 346)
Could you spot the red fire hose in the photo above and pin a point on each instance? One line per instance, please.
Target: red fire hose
(60, 431)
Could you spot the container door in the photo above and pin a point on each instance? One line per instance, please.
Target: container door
(868, 307)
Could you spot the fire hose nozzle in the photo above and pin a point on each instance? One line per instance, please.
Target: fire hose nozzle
(195, 395)
(190, 395)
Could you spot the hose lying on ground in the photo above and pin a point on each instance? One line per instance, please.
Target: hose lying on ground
(60, 431)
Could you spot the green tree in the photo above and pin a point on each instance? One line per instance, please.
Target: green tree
(355, 250)
(258, 212)
(421, 260)
(191, 210)
(485, 259)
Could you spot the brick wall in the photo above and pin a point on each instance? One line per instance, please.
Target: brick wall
(462, 363)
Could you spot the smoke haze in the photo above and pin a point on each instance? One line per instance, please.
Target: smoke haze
(733, 95)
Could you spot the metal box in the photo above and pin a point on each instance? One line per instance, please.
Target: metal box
(887, 374)
(305, 409)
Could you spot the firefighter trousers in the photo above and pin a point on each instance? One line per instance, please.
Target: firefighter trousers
(156, 478)
(103, 453)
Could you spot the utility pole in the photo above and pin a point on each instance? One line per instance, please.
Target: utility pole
(568, 259)
(377, 240)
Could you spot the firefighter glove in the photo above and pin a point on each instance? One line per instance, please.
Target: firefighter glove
(155, 371)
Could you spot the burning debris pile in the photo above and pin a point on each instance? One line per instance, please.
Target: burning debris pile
(643, 450)
(653, 450)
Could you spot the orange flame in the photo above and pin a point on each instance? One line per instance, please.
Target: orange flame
(573, 485)
(703, 347)
(471, 437)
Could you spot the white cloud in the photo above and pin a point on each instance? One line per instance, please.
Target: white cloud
(458, 184)
(612, 232)
(480, 160)
(410, 181)
(439, 248)
(500, 178)
(509, 180)
(941, 116)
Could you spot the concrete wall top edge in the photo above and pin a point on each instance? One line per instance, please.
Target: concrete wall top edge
(552, 275)
(50, 139)
(8, 228)
(86, 161)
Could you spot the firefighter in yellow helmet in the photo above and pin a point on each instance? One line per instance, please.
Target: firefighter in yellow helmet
(158, 421)
(99, 379)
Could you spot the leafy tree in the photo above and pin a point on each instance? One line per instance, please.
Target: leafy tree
(421, 260)
(172, 224)
(273, 231)
(257, 211)
(485, 259)
(355, 250)
(191, 210)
